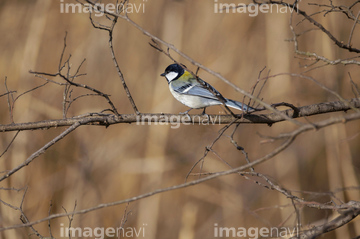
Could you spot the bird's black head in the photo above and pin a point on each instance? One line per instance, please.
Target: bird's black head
(173, 72)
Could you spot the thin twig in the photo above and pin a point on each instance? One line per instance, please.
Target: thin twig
(353, 28)
(42, 150)
(110, 31)
(7, 148)
(10, 96)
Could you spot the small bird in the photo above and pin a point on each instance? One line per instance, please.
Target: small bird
(187, 89)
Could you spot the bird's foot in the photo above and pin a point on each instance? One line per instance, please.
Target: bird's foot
(203, 113)
(186, 113)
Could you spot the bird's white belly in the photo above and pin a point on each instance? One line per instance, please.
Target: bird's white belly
(193, 101)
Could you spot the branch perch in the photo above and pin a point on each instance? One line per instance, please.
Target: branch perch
(110, 119)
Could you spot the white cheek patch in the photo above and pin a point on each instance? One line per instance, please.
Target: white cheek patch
(171, 75)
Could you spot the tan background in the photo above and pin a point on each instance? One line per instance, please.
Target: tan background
(95, 165)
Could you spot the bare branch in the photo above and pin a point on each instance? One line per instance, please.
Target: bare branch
(313, 55)
(351, 205)
(345, 217)
(7, 148)
(41, 150)
(143, 119)
(9, 92)
(110, 30)
(315, 23)
(69, 216)
(353, 28)
(10, 96)
(106, 96)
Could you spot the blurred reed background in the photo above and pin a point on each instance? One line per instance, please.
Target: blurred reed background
(96, 165)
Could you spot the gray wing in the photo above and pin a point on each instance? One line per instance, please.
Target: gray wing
(197, 90)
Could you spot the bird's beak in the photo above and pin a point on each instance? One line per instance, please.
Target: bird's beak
(163, 74)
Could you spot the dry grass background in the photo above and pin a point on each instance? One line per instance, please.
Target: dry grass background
(95, 165)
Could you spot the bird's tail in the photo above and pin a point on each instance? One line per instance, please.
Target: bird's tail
(238, 105)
